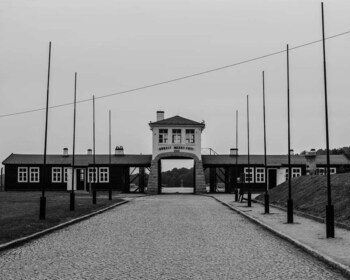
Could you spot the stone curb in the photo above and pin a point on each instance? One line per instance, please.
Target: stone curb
(36, 235)
(345, 270)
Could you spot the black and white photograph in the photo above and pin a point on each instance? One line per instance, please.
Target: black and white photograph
(174, 139)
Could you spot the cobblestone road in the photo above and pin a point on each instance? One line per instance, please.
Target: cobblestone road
(162, 237)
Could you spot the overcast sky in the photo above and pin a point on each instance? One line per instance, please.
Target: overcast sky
(117, 45)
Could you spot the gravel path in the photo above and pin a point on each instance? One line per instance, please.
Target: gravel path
(162, 237)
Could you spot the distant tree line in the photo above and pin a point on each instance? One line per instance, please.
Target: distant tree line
(172, 178)
(336, 151)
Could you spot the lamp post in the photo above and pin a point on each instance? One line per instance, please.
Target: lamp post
(94, 176)
(72, 193)
(249, 171)
(236, 167)
(329, 207)
(290, 200)
(42, 212)
(110, 157)
(267, 203)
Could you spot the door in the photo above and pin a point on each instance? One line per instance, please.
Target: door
(272, 180)
(80, 179)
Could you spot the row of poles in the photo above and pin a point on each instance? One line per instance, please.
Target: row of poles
(329, 206)
(93, 179)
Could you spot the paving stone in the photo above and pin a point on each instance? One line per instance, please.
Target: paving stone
(162, 237)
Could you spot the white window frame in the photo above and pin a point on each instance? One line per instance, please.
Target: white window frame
(103, 174)
(56, 175)
(35, 171)
(163, 136)
(176, 137)
(260, 175)
(65, 174)
(92, 175)
(190, 136)
(287, 174)
(250, 173)
(321, 171)
(22, 174)
(333, 170)
(296, 172)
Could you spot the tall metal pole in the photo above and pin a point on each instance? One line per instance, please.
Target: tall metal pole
(110, 156)
(249, 171)
(94, 177)
(290, 200)
(329, 207)
(42, 214)
(267, 203)
(236, 169)
(72, 193)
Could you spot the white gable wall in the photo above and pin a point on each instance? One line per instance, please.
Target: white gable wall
(193, 148)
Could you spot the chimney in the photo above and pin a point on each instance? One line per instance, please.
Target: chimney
(233, 152)
(160, 116)
(89, 152)
(291, 152)
(119, 151)
(65, 152)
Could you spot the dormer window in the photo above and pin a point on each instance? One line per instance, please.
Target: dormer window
(177, 136)
(163, 136)
(189, 136)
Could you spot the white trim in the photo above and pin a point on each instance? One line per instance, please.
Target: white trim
(250, 173)
(260, 171)
(35, 171)
(65, 174)
(56, 175)
(101, 173)
(92, 175)
(296, 172)
(23, 173)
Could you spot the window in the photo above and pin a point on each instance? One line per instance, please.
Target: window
(189, 136)
(296, 172)
(22, 174)
(104, 174)
(34, 175)
(163, 136)
(65, 174)
(323, 170)
(177, 136)
(56, 174)
(249, 174)
(260, 175)
(92, 175)
(320, 171)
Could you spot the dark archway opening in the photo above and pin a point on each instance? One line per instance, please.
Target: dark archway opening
(176, 175)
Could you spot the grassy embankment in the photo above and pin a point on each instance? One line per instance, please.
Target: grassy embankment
(19, 211)
(310, 195)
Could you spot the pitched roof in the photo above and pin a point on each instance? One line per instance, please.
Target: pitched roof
(80, 160)
(272, 160)
(177, 121)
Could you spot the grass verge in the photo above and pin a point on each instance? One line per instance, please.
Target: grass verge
(19, 211)
(309, 195)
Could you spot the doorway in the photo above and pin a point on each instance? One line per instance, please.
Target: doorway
(272, 178)
(176, 176)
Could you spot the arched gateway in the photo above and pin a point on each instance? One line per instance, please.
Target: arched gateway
(176, 138)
